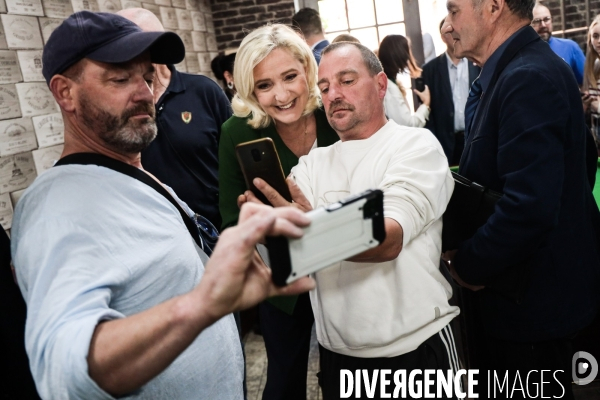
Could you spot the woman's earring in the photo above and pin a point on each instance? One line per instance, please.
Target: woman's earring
(230, 85)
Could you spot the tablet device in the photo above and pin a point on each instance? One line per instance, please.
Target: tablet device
(336, 232)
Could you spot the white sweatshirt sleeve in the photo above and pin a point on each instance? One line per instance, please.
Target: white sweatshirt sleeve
(417, 187)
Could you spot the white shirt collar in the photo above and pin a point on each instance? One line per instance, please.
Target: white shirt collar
(451, 63)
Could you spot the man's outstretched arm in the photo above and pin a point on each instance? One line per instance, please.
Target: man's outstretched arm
(126, 353)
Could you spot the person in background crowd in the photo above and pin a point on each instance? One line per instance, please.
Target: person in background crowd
(190, 110)
(275, 75)
(449, 79)
(386, 308)
(395, 56)
(121, 300)
(535, 262)
(428, 48)
(344, 37)
(308, 21)
(222, 67)
(591, 76)
(566, 49)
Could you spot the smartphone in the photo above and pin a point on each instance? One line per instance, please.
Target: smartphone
(419, 84)
(259, 159)
(336, 232)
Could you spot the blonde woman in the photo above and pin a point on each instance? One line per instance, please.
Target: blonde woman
(591, 72)
(275, 75)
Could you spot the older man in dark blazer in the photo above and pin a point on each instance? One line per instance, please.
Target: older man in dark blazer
(449, 79)
(537, 255)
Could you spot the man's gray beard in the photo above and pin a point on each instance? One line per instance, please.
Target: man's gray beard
(549, 36)
(120, 133)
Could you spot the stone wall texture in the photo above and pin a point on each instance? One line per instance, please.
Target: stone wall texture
(31, 126)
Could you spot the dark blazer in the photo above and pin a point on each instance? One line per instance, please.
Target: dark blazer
(527, 140)
(441, 118)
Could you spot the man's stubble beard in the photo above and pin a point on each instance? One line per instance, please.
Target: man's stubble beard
(350, 124)
(118, 132)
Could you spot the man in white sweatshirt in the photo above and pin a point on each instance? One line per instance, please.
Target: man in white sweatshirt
(386, 308)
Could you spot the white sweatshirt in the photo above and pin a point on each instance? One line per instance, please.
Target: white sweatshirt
(389, 308)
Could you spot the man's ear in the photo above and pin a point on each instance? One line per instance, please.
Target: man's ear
(495, 8)
(382, 83)
(62, 90)
(229, 77)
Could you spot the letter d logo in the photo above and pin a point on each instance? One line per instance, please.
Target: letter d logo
(584, 368)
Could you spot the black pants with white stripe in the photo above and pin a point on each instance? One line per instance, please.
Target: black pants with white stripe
(436, 353)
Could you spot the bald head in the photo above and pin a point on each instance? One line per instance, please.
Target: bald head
(542, 8)
(150, 23)
(143, 18)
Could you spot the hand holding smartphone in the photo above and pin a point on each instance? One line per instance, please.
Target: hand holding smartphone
(259, 159)
(419, 84)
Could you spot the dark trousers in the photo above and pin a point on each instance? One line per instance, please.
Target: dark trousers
(505, 358)
(438, 353)
(287, 341)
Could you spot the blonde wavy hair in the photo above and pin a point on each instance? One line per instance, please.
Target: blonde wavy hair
(590, 78)
(256, 47)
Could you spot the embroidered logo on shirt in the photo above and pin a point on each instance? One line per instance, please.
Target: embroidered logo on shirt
(186, 116)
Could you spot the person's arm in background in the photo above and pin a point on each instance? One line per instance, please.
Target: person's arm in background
(396, 108)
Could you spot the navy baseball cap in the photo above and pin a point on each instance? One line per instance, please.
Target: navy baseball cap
(108, 38)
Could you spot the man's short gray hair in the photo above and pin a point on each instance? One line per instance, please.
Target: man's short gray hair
(369, 58)
(521, 8)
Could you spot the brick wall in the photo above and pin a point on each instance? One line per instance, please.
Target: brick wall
(574, 18)
(234, 19)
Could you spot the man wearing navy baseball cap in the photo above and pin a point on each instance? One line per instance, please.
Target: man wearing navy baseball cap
(122, 300)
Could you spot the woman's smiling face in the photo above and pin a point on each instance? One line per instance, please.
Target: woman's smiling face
(595, 38)
(280, 86)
